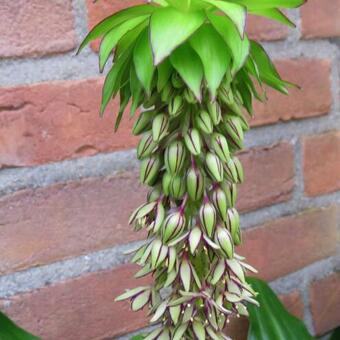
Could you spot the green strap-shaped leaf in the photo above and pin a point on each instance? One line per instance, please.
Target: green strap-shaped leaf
(136, 91)
(170, 28)
(239, 47)
(129, 38)
(107, 24)
(214, 55)
(271, 321)
(188, 64)
(111, 39)
(164, 72)
(112, 80)
(235, 12)
(125, 95)
(142, 58)
(266, 68)
(10, 331)
(273, 14)
(251, 4)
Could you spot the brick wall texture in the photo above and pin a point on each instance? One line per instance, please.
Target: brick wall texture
(68, 183)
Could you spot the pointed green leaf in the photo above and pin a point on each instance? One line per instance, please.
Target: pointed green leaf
(170, 28)
(136, 91)
(198, 329)
(187, 63)
(273, 14)
(112, 80)
(266, 68)
(214, 55)
(140, 301)
(154, 334)
(159, 311)
(239, 47)
(164, 72)
(129, 38)
(194, 239)
(175, 312)
(218, 272)
(180, 331)
(129, 293)
(125, 95)
(116, 19)
(185, 274)
(111, 39)
(235, 12)
(237, 269)
(10, 331)
(259, 4)
(271, 320)
(142, 57)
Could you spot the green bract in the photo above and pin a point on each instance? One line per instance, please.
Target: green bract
(191, 66)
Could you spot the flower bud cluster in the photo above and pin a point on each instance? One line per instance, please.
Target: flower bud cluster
(187, 152)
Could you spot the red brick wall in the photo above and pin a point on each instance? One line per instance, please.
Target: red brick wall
(68, 184)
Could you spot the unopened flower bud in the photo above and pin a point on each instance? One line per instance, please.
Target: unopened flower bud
(207, 214)
(231, 171)
(176, 106)
(149, 169)
(195, 184)
(167, 92)
(204, 122)
(174, 157)
(146, 146)
(214, 111)
(220, 145)
(233, 224)
(230, 190)
(172, 226)
(154, 193)
(189, 96)
(160, 127)
(234, 128)
(214, 167)
(192, 141)
(177, 81)
(219, 199)
(224, 240)
(166, 180)
(239, 170)
(177, 187)
(143, 122)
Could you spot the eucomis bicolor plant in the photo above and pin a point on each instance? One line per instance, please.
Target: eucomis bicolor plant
(195, 73)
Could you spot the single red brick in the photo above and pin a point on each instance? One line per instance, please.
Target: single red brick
(48, 224)
(313, 99)
(321, 163)
(81, 308)
(288, 244)
(54, 121)
(36, 27)
(325, 303)
(44, 225)
(320, 19)
(260, 28)
(269, 176)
